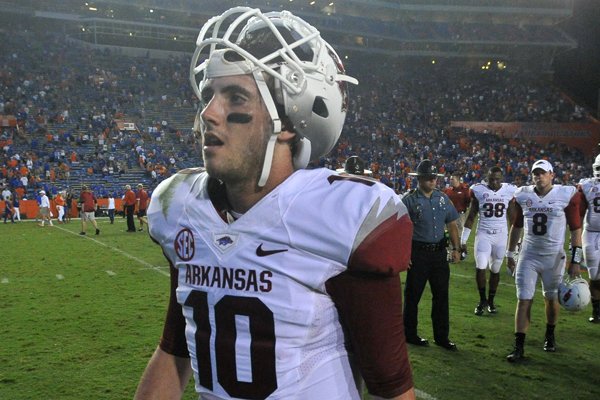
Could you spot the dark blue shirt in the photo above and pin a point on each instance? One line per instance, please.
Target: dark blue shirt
(429, 215)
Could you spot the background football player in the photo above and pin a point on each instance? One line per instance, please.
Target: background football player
(590, 210)
(542, 213)
(491, 201)
(275, 269)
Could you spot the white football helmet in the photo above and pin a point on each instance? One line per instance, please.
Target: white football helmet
(596, 167)
(574, 294)
(310, 85)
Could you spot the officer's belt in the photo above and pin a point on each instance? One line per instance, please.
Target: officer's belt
(428, 246)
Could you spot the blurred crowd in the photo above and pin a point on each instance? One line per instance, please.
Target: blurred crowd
(102, 118)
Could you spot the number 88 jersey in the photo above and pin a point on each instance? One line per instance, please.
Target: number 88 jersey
(493, 206)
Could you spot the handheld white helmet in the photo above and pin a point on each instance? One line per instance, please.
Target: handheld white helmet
(309, 81)
(574, 294)
(596, 167)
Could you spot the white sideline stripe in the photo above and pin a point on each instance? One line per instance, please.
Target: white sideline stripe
(111, 273)
(472, 277)
(4, 280)
(60, 277)
(139, 260)
(423, 395)
(538, 289)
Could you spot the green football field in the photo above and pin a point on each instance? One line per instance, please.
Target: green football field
(81, 315)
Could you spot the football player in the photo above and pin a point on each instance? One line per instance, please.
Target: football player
(542, 213)
(491, 201)
(590, 209)
(276, 271)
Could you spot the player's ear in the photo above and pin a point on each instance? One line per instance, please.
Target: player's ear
(286, 136)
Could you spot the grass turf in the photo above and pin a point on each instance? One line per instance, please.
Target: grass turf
(81, 316)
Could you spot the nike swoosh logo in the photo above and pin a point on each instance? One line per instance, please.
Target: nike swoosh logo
(263, 253)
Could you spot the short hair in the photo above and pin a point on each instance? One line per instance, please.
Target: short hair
(140, 185)
(495, 169)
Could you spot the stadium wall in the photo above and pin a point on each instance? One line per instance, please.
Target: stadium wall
(29, 208)
(133, 51)
(584, 136)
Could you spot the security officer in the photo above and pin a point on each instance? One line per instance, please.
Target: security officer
(431, 211)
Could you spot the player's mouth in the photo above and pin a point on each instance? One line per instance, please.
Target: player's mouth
(211, 140)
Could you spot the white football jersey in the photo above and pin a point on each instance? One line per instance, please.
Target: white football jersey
(259, 322)
(493, 206)
(590, 187)
(544, 217)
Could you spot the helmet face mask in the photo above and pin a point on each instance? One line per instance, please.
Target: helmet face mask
(307, 79)
(574, 294)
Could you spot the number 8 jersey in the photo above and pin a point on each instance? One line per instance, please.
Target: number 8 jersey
(544, 217)
(259, 322)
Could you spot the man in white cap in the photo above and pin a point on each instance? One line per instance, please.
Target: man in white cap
(542, 213)
(45, 208)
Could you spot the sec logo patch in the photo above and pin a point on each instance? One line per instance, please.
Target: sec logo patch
(184, 244)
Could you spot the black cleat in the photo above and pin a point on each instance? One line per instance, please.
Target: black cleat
(82, 233)
(517, 354)
(417, 341)
(491, 308)
(594, 319)
(549, 344)
(447, 344)
(480, 307)
(97, 231)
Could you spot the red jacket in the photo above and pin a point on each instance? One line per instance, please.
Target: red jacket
(129, 198)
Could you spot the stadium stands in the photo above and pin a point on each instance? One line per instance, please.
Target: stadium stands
(102, 118)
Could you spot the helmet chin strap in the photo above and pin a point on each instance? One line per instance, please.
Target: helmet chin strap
(270, 104)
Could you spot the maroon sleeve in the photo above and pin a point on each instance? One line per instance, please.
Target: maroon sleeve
(583, 206)
(572, 211)
(173, 336)
(370, 309)
(386, 249)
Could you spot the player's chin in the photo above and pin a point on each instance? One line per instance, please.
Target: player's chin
(214, 168)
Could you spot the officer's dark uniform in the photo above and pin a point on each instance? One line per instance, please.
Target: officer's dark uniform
(429, 261)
